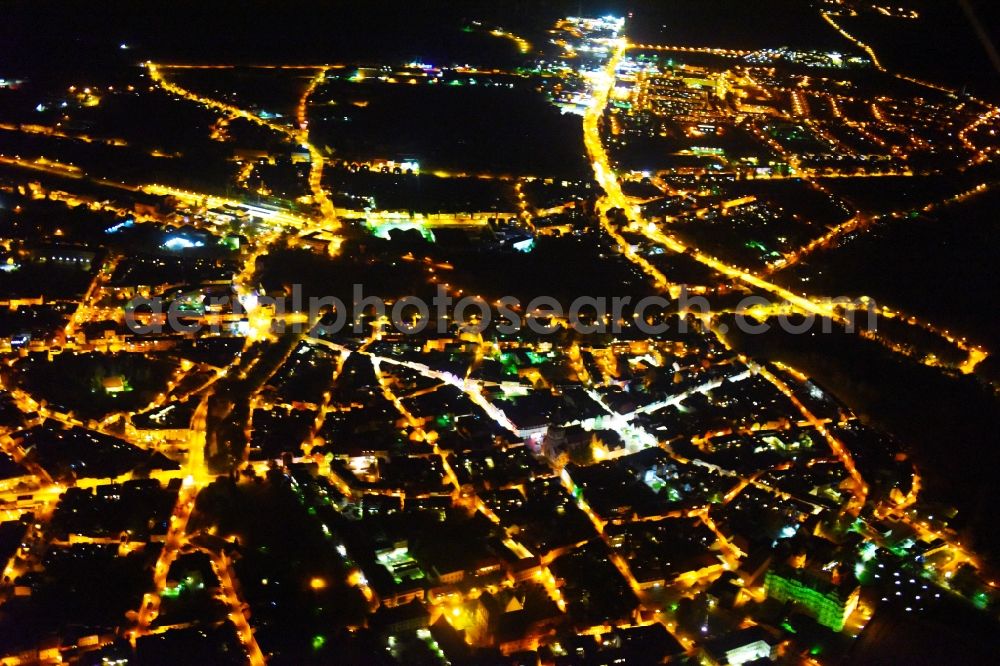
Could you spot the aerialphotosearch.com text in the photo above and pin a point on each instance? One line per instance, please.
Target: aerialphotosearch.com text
(542, 315)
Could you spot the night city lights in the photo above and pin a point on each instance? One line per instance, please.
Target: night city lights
(499, 332)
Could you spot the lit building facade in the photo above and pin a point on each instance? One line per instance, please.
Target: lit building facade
(829, 603)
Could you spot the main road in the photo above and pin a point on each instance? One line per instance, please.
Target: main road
(603, 83)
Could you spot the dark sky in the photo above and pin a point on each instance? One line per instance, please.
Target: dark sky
(71, 37)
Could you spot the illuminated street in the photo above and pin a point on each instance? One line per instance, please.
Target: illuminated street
(488, 334)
